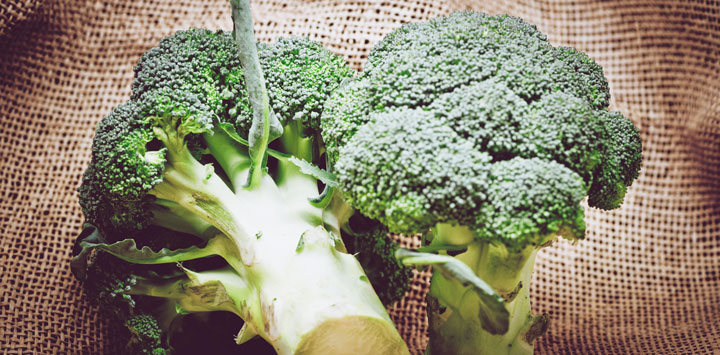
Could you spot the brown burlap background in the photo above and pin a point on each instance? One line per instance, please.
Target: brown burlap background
(646, 280)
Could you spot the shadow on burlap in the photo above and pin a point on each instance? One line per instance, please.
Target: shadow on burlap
(645, 281)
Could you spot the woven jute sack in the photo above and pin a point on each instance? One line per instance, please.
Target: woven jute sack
(646, 280)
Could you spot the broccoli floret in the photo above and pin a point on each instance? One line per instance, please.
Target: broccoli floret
(529, 200)
(563, 128)
(107, 283)
(346, 110)
(148, 299)
(191, 153)
(411, 171)
(463, 29)
(200, 64)
(620, 165)
(376, 254)
(370, 242)
(476, 132)
(487, 113)
(135, 149)
(146, 336)
(594, 86)
(300, 75)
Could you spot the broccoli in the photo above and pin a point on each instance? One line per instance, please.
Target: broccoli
(475, 132)
(207, 147)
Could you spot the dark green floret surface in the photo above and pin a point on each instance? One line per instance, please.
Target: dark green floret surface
(301, 74)
(410, 190)
(529, 199)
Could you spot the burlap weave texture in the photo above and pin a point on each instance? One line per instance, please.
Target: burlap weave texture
(645, 281)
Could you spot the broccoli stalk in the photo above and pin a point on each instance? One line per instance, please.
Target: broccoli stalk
(509, 274)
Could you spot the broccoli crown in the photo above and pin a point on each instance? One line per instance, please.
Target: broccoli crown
(202, 65)
(427, 133)
(182, 87)
(300, 75)
(409, 190)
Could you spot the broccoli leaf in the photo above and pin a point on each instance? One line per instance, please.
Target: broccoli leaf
(493, 315)
(91, 238)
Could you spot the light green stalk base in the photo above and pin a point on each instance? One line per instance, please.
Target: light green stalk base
(452, 308)
(292, 283)
(311, 298)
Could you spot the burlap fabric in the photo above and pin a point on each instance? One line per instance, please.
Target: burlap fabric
(646, 280)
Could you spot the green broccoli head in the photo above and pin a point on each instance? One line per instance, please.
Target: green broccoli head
(410, 171)
(300, 75)
(444, 103)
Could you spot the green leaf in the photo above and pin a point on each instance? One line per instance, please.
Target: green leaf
(229, 129)
(323, 200)
(494, 316)
(309, 169)
(91, 239)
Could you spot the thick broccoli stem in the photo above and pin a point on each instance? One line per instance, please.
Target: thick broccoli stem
(199, 190)
(454, 328)
(314, 299)
(307, 296)
(305, 291)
